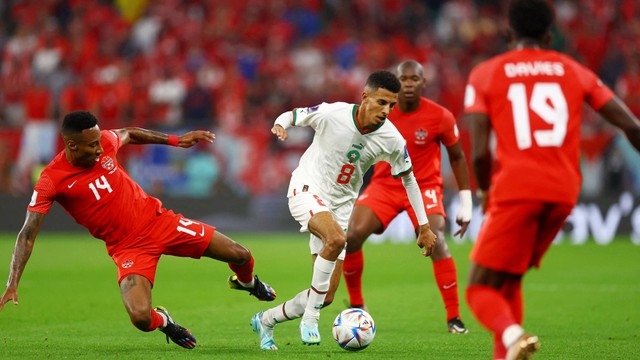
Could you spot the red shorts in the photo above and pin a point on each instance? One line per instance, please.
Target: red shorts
(169, 234)
(388, 202)
(516, 235)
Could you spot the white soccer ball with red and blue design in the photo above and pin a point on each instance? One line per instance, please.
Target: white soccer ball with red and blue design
(354, 329)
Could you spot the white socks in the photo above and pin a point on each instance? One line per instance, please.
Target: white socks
(290, 310)
(164, 317)
(322, 270)
(307, 302)
(249, 284)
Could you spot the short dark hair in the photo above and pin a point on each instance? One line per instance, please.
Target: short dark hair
(530, 18)
(76, 121)
(383, 79)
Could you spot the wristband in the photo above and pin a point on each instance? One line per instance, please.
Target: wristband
(465, 199)
(466, 206)
(173, 140)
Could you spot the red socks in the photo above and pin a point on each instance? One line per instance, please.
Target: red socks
(490, 308)
(244, 272)
(497, 310)
(446, 276)
(352, 269)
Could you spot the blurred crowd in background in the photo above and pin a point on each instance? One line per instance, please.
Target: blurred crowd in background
(233, 66)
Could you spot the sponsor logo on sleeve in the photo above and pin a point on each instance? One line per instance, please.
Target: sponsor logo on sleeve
(313, 109)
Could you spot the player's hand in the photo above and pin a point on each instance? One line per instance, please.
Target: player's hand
(193, 137)
(9, 294)
(464, 224)
(426, 239)
(280, 132)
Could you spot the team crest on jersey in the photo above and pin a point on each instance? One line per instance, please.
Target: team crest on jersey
(353, 156)
(406, 152)
(127, 264)
(421, 136)
(108, 163)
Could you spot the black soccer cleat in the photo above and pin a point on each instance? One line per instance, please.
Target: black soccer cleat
(175, 332)
(456, 326)
(260, 289)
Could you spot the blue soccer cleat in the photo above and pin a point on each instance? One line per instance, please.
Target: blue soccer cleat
(309, 332)
(264, 332)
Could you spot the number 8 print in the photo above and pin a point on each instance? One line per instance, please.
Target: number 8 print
(345, 174)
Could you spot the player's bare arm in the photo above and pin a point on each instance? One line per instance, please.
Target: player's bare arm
(134, 135)
(458, 163)
(21, 253)
(280, 132)
(480, 154)
(618, 114)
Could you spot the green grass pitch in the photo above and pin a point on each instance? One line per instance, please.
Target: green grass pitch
(584, 304)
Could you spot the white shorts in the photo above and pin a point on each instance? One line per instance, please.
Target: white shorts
(303, 204)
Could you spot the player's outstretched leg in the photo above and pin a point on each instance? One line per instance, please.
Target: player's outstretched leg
(265, 332)
(523, 348)
(259, 289)
(175, 332)
(309, 331)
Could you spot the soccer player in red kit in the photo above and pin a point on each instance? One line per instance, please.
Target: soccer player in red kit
(89, 183)
(425, 125)
(531, 98)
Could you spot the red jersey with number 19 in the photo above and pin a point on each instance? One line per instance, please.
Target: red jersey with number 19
(534, 101)
(103, 198)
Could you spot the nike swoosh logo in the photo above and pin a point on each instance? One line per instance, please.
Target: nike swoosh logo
(449, 286)
(202, 233)
(70, 185)
(431, 206)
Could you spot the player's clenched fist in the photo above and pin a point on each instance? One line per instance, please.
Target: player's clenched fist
(280, 132)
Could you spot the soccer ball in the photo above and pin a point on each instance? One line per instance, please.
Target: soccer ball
(354, 329)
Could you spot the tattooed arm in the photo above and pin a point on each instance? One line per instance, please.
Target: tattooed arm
(134, 135)
(21, 253)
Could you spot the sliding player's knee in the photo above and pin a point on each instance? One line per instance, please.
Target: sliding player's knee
(240, 255)
(140, 318)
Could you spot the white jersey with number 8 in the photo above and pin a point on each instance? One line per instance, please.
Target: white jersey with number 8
(334, 164)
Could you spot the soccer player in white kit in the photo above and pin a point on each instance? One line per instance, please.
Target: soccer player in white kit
(348, 140)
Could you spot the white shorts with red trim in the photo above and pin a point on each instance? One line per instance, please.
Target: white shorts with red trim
(304, 203)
